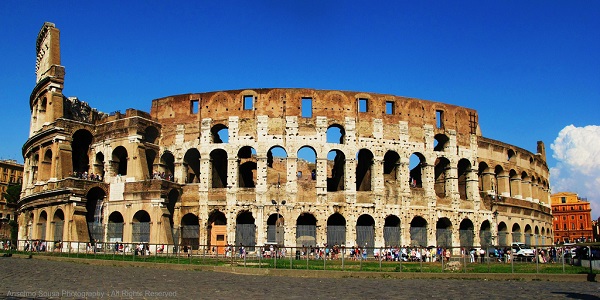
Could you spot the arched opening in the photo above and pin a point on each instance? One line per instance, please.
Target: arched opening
(80, 147)
(515, 182)
(416, 165)
(443, 232)
(115, 227)
(528, 234)
(94, 213)
(217, 232)
(190, 231)
(247, 167)
(276, 229)
(172, 199)
(46, 168)
(466, 233)
(307, 169)
(511, 154)
(503, 234)
(538, 240)
(306, 230)
(391, 161)
(336, 170)
(167, 166)
(150, 135)
(276, 166)
(464, 169)
(485, 234)
(418, 232)
(218, 159)
(363, 170)
(245, 231)
(99, 166)
(365, 231)
(442, 166)
(440, 142)
(119, 160)
(140, 227)
(42, 221)
(59, 222)
(191, 162)
(391, 231)
(220, 134)
(335, 134)
(516, 233)
(336, 230)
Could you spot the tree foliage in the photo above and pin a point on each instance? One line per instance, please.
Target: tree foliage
(13, 193)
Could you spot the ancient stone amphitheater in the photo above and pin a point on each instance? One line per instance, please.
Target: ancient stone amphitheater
(283, 166)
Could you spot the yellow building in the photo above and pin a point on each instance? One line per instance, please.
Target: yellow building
(11, 173)
(572, 218)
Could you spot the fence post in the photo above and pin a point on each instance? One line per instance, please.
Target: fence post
(343, 253)
(537, 258)
(292, 253)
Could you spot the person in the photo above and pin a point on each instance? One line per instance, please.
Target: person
(482, 255)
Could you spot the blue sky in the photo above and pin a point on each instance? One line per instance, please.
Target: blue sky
(530, 69)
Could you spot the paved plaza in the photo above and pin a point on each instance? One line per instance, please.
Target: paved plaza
(22, 278)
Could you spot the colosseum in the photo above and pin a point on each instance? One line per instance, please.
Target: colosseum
(273, 166)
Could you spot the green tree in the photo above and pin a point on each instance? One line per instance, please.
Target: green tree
(12, 194)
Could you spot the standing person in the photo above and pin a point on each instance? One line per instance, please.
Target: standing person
(482, 255)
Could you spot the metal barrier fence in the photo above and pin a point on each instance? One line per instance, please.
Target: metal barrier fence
(546, 259)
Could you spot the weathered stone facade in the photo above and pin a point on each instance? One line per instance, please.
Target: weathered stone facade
(215, 168)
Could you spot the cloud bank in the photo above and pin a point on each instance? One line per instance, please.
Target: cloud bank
(577, 151)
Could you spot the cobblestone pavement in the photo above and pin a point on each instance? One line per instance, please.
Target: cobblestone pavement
(42, 279)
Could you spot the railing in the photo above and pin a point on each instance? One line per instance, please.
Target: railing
(407, 259)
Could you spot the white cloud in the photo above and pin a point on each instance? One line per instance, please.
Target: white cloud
(577, 150)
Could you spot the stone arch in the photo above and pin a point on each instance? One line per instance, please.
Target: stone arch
(140, 227)
(218, 158)
(306, 230)
(516, 233)
(527, 234)
(191, 162)
(392, 234)
(151, 134)
(391, 161)
(440, 142)
(485, 234)
(46, 165)
(80, 147)
(119, 160)
(150, 161)
(336, 170)
(217, 231)
(418, 231)
(466, 233)
(463, 172)
(219, 133)
(336, 134)
(276, 165)
(245, 230)
(275, 228)
(515, 181)
(114, 227)
(442, 166)
(336, 230)
(247, 167)
(94, 216)
(42, 223)
(365, 231)
(485, 178)
(364, 168)
(99, 165)
(167, 165)
(190, 231)
(59, 221)
(417, 164)
(503, 234)
(443, 232)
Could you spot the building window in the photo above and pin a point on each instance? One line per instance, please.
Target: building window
(248, 102)
(563, 199)
(439, 119)
(580, 217)
(306, 107)
(573, 226)
(389, 107)
(194, 105)
(363, 105)
(564, 226)
(572, 217)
